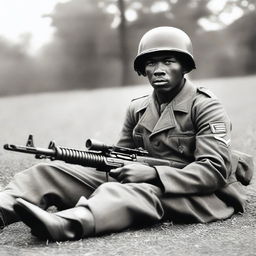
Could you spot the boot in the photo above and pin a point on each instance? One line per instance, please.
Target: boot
(61, 226)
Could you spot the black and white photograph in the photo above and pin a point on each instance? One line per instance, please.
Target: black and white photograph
(128, 127)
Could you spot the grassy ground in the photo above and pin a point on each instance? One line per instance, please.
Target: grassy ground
(71, 117)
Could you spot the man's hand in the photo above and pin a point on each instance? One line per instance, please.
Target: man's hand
(134, 173)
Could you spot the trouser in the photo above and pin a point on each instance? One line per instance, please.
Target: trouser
(114, 206)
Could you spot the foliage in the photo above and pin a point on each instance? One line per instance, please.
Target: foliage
(93, 48)
(228, 52)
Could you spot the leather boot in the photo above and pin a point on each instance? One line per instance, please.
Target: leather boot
(71, 224)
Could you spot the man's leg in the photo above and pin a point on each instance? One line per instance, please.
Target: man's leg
(114, 206)
(117, 206)
(111, 208)
(49, 184)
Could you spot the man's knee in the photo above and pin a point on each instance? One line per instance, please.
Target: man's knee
(38, 167)
(36, 173)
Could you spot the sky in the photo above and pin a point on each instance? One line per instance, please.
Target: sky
(20, 19)
(23, 21)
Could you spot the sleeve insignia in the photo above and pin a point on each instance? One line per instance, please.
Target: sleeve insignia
(218, 127)
(223, 139)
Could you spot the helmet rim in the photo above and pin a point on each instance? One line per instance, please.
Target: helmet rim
(140, 58)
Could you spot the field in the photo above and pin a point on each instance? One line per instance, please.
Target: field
(69, 118)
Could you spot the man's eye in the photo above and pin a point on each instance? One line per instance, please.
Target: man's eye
(150, 63)
(168, 62)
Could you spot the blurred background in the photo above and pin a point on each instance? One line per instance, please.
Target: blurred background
(53, 45)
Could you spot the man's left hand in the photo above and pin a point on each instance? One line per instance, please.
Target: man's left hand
(134, 173)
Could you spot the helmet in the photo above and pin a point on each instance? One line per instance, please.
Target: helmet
(168, 39)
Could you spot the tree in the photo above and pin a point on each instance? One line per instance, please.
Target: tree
(123, 43)
(84, 48)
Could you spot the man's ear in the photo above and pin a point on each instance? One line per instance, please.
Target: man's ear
(185, 69)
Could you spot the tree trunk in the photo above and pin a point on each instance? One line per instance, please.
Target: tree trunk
(123, 44)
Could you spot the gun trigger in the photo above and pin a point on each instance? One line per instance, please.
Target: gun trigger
(30, 141)
(52, 145)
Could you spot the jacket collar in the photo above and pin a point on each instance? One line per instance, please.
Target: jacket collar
(183, 101)
(155, 123)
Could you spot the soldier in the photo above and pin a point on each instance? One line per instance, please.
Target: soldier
(179, 122)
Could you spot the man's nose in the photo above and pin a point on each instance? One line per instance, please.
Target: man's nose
(159, 70)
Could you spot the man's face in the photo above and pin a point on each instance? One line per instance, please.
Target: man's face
(164, 72)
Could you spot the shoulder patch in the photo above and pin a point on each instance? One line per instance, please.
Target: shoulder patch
(141, 97)
(206, 92)
(218, 127)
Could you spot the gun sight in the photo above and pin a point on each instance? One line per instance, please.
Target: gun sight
(99, 146)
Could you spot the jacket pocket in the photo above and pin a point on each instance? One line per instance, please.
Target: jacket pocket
(183, 144)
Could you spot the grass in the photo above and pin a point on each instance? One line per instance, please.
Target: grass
(71, 117)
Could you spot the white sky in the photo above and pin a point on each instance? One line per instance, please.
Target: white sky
(21, 19)
(225, 18)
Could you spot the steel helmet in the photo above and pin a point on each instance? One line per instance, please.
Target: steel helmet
(168, 39)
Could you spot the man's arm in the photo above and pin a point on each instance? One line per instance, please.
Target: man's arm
(125, 138)
(212, 165)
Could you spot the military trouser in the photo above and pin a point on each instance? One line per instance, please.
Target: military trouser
(114, 206)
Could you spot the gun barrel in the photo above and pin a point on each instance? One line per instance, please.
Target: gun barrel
(30, 150)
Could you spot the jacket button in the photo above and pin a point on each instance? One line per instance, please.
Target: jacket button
(181, 149)
(157, 143)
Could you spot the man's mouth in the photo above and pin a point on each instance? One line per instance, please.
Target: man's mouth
(160, 82)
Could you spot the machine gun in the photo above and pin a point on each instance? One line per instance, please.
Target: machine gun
(99, 156)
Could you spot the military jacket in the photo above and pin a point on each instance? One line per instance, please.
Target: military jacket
(193, 133)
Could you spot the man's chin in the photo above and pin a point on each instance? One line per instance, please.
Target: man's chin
(161, 88)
